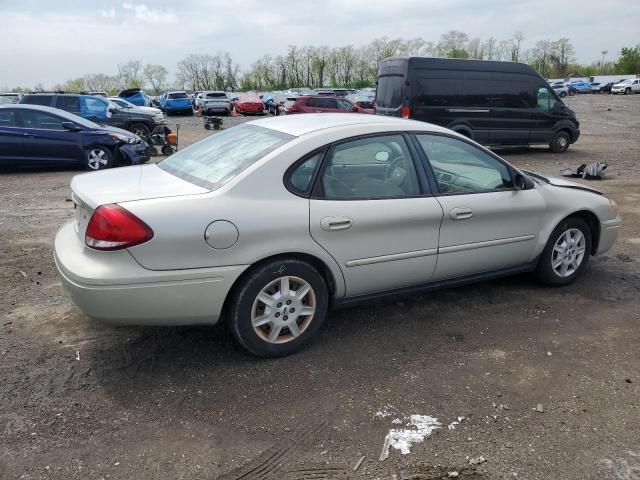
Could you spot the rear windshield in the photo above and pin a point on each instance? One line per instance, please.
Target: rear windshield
(214, 161)
(389, 94)
(217, 95)
(178, 95)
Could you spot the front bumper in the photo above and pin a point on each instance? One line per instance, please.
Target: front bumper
(608, 234)
(617, 90)
(136, 154)
(113, 288)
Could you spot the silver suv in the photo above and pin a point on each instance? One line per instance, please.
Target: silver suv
(213, 102)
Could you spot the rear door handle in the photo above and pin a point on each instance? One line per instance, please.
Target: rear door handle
(460, 213)
(335, 223)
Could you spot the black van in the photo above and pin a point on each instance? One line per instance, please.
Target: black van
(494, 103)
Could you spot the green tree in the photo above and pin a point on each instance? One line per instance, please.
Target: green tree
(629, 61)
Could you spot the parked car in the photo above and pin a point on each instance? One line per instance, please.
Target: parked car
(561, 90)
(343, 92)
(288, 103)
(176, 102)
(136, 96)
(193, 97)
(494, 103)
(10, 98)
(322, 104)
(99, 94)
(38, 135)
(273, 102)
(98, 110)
(602, 87)
(249, 103)
(213, 102)
(299, 91)
(125, 104)
(581, 87)
(364, 103)
(626, 87)
(373, 206)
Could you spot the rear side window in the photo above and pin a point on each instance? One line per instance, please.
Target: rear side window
(96, 107)
(300, 178)
(37, 100)
(7, 118)
(68, 103)
(214, 161)
(390, 91)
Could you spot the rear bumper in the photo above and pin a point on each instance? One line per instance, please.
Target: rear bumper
(608, 234)
(112, 287)
(183, 108)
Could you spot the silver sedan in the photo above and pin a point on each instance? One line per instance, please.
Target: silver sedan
(271, 223)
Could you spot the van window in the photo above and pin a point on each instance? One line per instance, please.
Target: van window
(69, 103)
(546, 100)
(438, 92)
(389, 94)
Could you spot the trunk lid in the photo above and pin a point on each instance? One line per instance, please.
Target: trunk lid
(140, 182)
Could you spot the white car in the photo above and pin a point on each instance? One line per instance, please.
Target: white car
(213, 102)
(122, 103)
(270, 223)
(626, 87)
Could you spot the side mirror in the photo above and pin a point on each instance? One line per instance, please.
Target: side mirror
(522, 182)
(354, 108)
(113, 109)
(72, 127)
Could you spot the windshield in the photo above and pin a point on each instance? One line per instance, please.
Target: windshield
(5, 99)
(389, 94)
(215, 160)
(178, 95)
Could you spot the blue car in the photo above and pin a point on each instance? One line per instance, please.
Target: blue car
(136, 96)
(39, 135)
(582, 87)
(176, 102)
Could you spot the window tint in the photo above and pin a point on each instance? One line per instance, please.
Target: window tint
(41, 120)
(432, 89)
(300, 178)
(217, 159)
(68, 103)
(7, 118)
(37, 100)
(390, 91)
(376, 167)
(96, 107)
(217, 95)
(178, 95)
(323, 102)
(462, 168)
(546, 100)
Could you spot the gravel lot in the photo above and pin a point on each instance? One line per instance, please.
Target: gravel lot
(80, 400)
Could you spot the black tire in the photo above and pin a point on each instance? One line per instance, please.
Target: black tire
(207, 126)
(98, 158)
(563, 94)
(153, 151)
(560, 142)
(627, 91)
(139, 129)
(167, 150)
(545, 272)
(242, 303)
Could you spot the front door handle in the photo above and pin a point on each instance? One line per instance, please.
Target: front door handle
(335, 223)
(460, 213)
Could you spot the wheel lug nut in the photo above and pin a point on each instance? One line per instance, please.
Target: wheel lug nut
(288, 302)
(292, 310)
(277, 314)
(285, 318)
(279, 305)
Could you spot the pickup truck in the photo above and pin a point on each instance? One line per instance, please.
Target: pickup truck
(213, 102)
(626, 87)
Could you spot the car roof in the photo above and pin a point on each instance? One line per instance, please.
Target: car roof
(28, 106)
(303, 124)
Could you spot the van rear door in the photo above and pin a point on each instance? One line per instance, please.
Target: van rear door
(390, 95)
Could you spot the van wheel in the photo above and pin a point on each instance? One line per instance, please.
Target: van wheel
(560, 142)
(278, 308)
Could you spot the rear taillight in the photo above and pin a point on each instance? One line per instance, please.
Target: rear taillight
(111, 227)
(406, 112)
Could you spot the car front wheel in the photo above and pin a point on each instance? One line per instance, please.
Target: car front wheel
(278, 308)
(140, 129)
(98, 158)
(566, 253)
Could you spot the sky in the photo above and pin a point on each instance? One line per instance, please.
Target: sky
(50, 41)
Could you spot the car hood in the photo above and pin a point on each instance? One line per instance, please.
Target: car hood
(145, 110)
(109, 129)
(140, 182)
(561, 182)
(621, 85)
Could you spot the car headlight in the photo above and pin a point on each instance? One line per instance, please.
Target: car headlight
(615, 208)
(158, 118)
(125, 138)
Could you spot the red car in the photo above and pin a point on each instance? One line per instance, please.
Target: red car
(249, 103)
(322, 104)
(364, 104)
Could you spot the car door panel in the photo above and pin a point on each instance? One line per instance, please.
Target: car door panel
(11, 137)
(494, 230)
(47, 141)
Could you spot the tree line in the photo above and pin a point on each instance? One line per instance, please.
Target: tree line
(346, 66)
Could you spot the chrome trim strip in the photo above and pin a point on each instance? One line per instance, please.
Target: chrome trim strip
(391, 258)
(488, 243)
(468, 110)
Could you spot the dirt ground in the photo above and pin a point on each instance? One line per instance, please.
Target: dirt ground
(548, 379)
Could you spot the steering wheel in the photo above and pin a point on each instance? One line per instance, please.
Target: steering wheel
(396, 172)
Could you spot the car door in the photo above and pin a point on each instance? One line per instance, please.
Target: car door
(46, 140)
(11, 137)
(345, 106)
(487, 224)
(512, 104)
(372, 211)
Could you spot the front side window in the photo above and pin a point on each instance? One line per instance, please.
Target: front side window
(41, 120)
(463, 168)
(344, 104)
(7, 118)
(375, 167)
(546, 99)
(215, 160)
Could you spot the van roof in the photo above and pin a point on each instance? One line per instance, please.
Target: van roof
(462, 64)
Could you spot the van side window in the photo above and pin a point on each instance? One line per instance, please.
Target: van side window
(546, 99)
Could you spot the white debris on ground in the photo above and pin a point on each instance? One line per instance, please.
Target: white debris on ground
(402, 439)
(385, 411)
(455, 423)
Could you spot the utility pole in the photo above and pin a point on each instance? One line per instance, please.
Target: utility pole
(604, 53)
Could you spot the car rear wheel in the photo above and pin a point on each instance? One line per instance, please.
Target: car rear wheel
(627, 91)
(566, 253)
(560, 142)
(278, 308)
(99, 158)
(139, 129)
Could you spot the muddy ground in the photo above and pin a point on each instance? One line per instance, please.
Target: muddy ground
(80, 400)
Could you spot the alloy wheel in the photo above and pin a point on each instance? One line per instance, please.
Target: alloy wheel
(568, 253)
(283, 310)
(97, 159)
